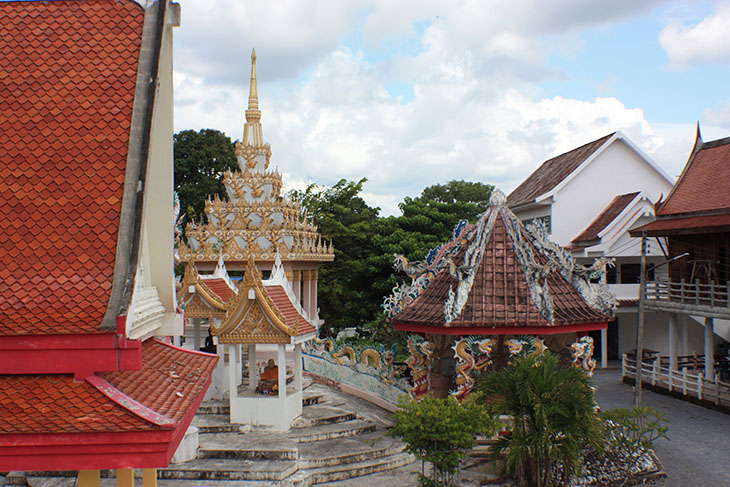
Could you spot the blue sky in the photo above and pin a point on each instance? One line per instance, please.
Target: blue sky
(414, 93)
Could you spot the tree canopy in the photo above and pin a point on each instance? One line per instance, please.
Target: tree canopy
(201, 159)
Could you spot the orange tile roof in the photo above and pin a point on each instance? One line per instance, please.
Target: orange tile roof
(281, 299)
(41, 404)
(614, 209)
(705, 182)
(168, 383)
(220, 288)
(552, 172)
(170, 380)
(67, 81)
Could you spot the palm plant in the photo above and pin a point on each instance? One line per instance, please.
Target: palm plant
(554, 419)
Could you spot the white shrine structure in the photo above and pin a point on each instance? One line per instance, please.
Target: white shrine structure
(264, 239)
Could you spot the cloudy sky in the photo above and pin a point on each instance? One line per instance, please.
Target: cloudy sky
(414, 93)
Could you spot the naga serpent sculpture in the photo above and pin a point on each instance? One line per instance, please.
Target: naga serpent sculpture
(524, 346)
(346, 350)
(370, 355)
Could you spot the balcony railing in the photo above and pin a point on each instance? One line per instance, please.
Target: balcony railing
(696, 298)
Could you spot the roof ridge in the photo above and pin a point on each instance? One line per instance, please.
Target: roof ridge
(129, 403)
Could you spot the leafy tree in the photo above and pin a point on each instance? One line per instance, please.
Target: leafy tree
(440, 431)
(201, 159)
(342, 216)
(554, 419)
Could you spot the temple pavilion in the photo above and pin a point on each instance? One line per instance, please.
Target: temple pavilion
(272, 251)
(492, 284)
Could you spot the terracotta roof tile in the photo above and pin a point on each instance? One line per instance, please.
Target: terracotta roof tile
(500, 294)
(220, 288)
(169, 382)
(552, 172)
(37, 404)
(281, 299)
(67, 78)
(614, 209)
(705, 182)
(677, 224)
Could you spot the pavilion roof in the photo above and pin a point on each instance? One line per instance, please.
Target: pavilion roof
(608, 215)
(68, 87)
(498, 277)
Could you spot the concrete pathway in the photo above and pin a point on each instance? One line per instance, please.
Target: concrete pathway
(698, 450)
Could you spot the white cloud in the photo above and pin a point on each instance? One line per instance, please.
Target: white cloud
(719, 116)
(477, 112)
(707, 42)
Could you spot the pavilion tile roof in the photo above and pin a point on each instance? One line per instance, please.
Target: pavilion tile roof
(614, 209)
(497, 274)
(281, 299)
(552, 172)
(67, 80)
(169, 382)
(220, 287)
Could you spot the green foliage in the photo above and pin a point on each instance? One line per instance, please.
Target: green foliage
(343, 217)
(439, 431)
(201, 159)
(554, 420)
(633, 432)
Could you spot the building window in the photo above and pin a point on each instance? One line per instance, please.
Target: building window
(631, 273)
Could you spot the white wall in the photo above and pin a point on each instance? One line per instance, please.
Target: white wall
(617, 170)
(656, 334)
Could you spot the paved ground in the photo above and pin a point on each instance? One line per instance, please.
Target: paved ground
(698, 450)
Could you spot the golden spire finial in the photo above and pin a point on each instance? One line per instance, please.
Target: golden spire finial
(252, 130)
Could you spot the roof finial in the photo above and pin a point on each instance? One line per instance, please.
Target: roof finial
(699, 134)
(252, 130)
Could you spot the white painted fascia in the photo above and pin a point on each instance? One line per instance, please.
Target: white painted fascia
(618, 225)
(646, 158)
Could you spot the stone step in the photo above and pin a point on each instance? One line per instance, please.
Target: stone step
(229, 469)
(215, 407)
(307, 477)
(329, 431)
(311, 399)
(316, 415)
(342, 451)
(218, 423)
(249, 446)
(111, 482)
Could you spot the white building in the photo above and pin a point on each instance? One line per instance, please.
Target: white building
(588, 199)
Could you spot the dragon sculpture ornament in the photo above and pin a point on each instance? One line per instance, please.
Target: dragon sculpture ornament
(419, 362)
(582, 353)
(524, 346)
(465, 351)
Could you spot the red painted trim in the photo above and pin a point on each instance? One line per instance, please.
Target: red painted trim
(81, 355)
(130, 404)
(500, 330)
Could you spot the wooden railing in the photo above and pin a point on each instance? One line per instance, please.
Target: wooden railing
(689, 383)
(709, 300)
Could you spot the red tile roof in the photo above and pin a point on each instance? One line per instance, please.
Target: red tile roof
(40, 404)
(220, 287)
(500, 294)
(67, 81)
(614, 208)
(552, 172)
(169, 382)
(683, 223)
(281, 299)
(705, 182)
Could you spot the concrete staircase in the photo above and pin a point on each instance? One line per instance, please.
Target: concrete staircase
(336, 438)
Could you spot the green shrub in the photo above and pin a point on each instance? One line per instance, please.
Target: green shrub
(440, 431)
(554, 418)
